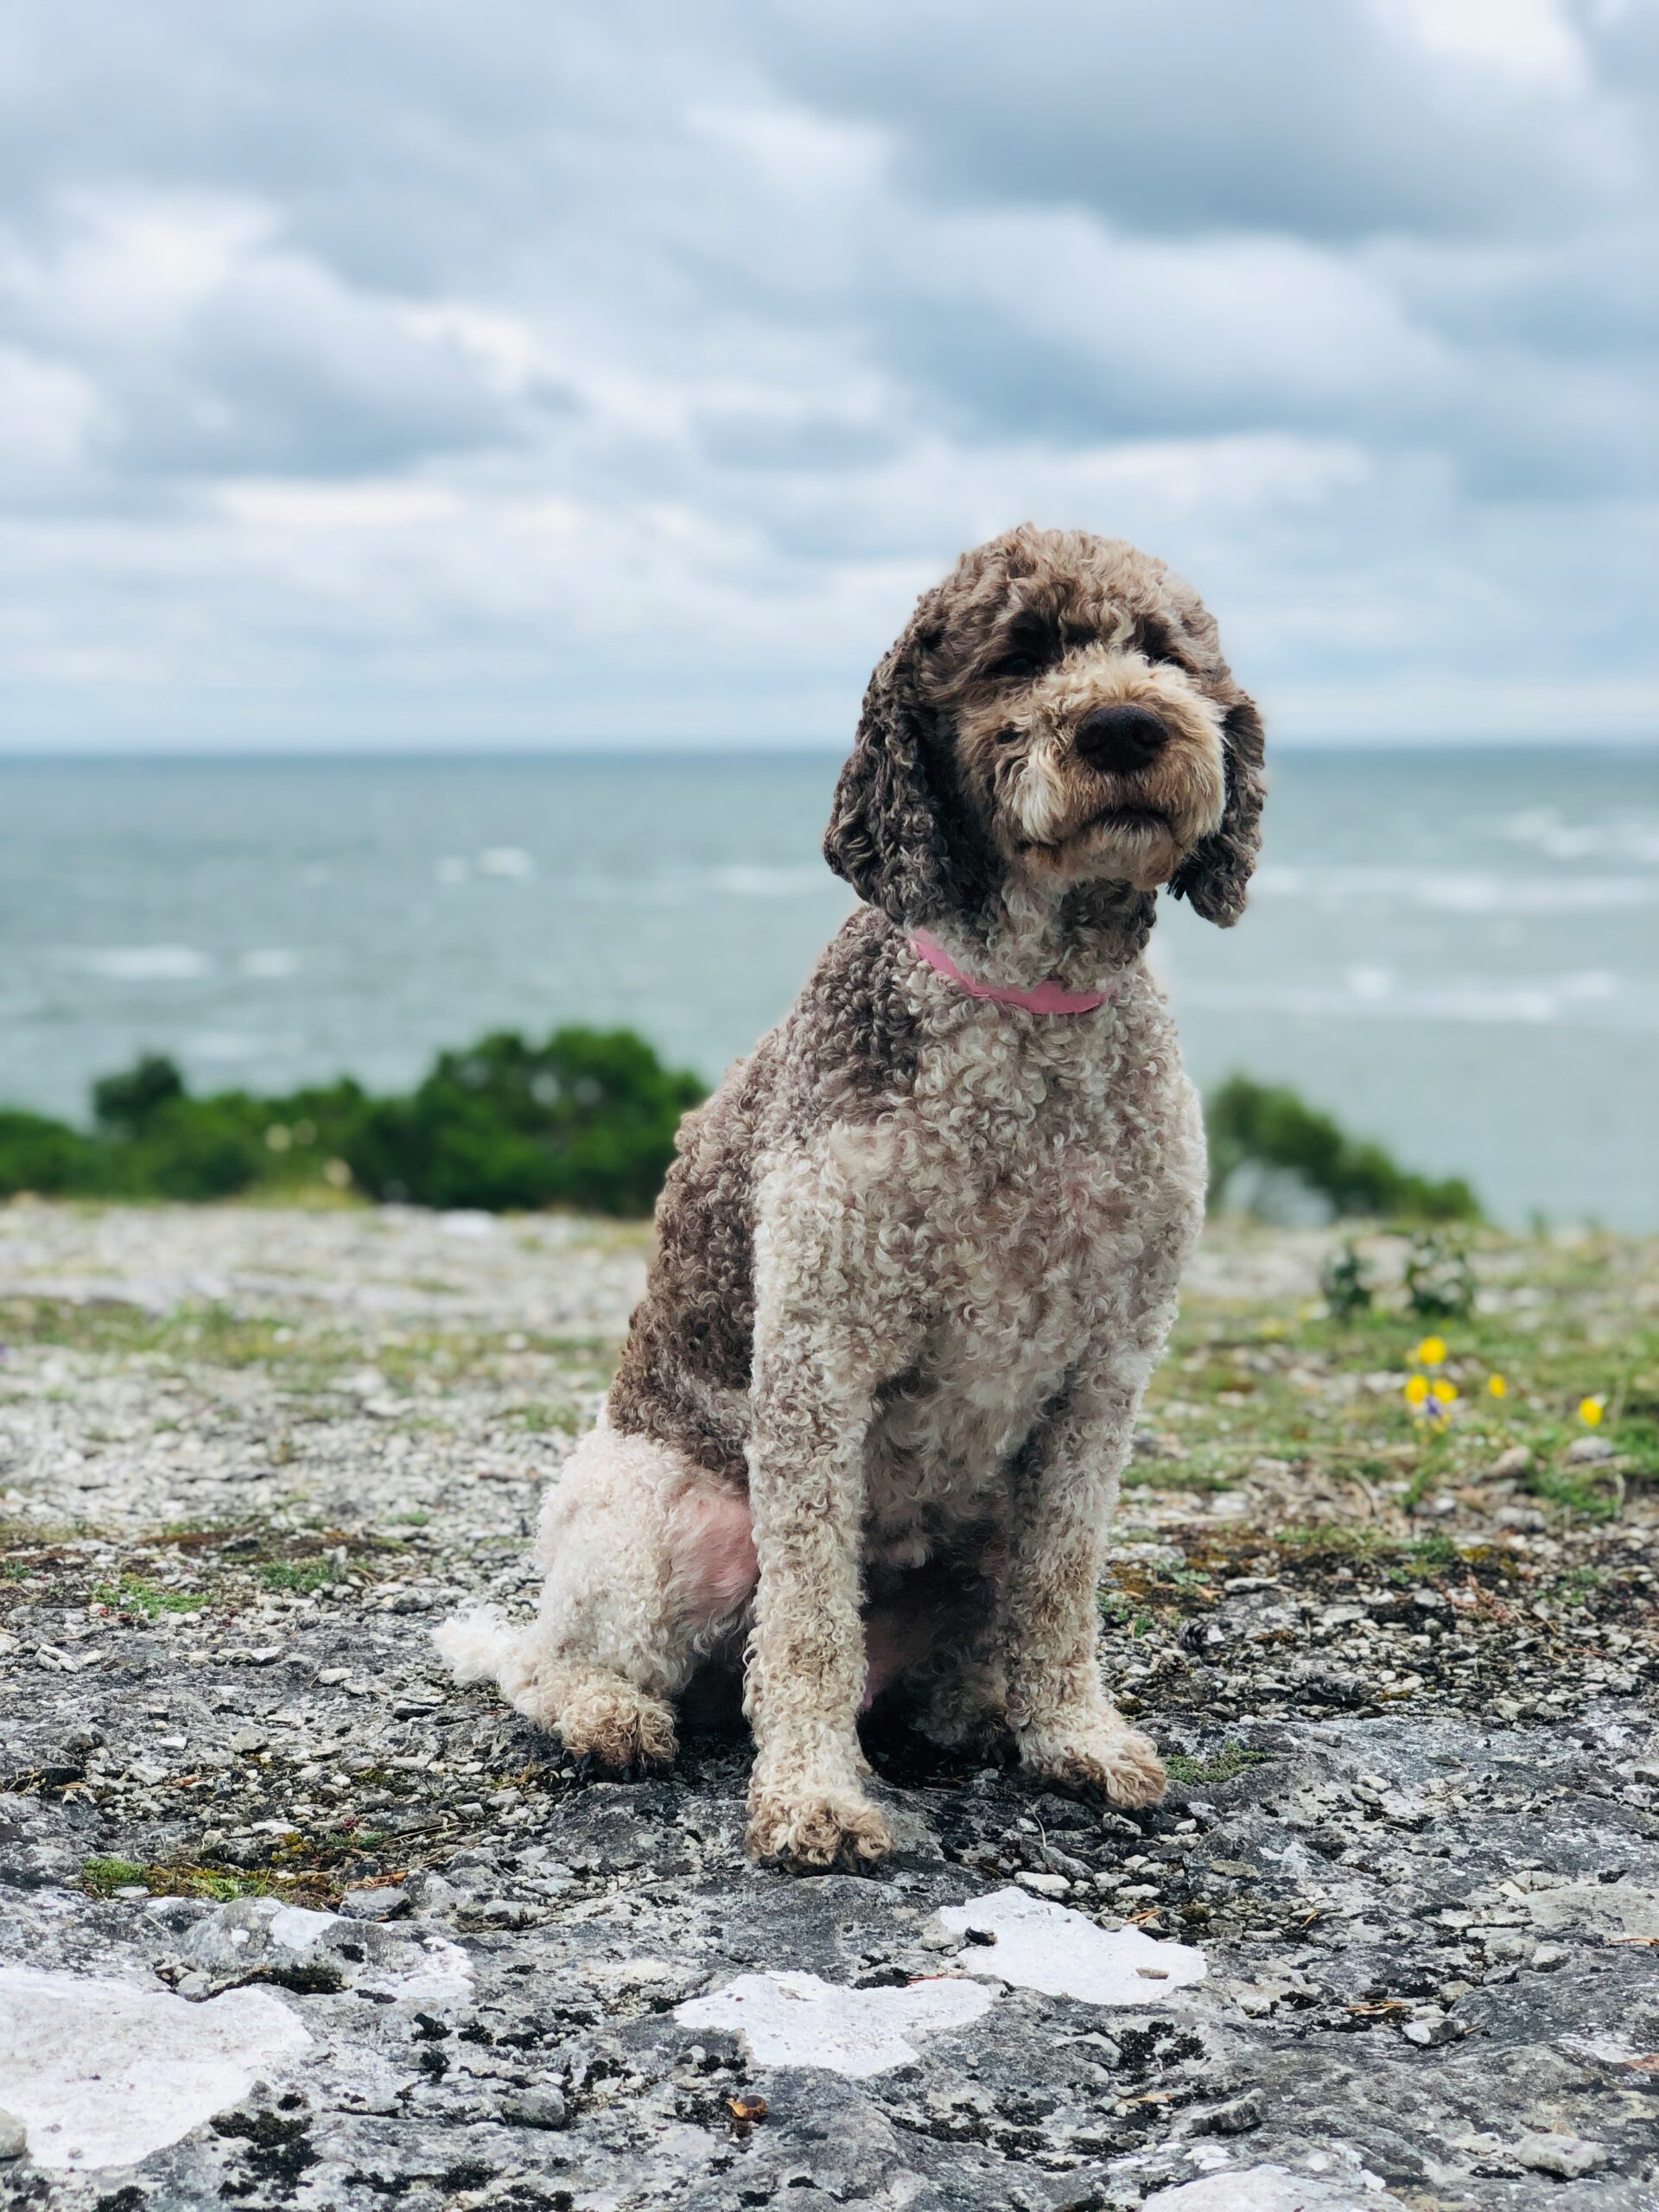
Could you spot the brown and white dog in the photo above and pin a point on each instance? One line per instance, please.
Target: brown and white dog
(918, 1254)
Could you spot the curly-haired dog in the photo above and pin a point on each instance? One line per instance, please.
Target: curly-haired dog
(919, 1254)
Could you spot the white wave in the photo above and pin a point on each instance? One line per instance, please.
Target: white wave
(144, 964)
(1449, 891)
(674, 887)
(753, 881)
(271, 964)
(243, 1045)
(1365, 983)
(1543, 829)
(505, 860)
(1592, 998)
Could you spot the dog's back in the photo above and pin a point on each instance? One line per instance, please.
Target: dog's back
(846, 1051)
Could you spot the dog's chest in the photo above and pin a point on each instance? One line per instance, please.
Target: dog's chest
(1027, 1167)
(1026, 1191)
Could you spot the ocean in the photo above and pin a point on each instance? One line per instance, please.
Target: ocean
(1454, 951)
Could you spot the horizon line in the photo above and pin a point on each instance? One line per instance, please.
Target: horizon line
(593, 749)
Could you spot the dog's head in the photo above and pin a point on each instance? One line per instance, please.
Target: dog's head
(1058, 712)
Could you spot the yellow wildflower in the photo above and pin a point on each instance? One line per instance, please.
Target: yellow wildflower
(1416, 1390)
(1590, 1410)
(1445, 1391)
(1431, 1352)
(1497, 1386)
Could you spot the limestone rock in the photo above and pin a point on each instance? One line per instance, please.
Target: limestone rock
(1569, 2158)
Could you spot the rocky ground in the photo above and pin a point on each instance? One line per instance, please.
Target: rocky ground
(285, 1919)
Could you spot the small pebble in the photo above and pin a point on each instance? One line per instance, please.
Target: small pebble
(1589, 1452)
(387, 1903)
(1237, 2117)
(535, 2108)
(934, 1936)
(1567, 2157)
(1045, 1885)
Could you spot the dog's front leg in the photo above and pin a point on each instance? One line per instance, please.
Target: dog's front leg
(818, 1359)
(807, 1803)
(1064, 1723)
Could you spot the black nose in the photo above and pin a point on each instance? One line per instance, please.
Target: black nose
(1120, 739)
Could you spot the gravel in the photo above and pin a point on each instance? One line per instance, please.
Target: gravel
(415, 1955)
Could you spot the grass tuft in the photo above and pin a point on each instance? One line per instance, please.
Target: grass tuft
(301, 1576)
(134, 1594)
(102, 1878)
(563, 1421)
(1231, 1759)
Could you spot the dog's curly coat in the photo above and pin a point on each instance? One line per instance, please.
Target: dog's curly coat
(919, 1254)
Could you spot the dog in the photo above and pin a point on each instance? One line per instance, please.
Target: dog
(919, 1254)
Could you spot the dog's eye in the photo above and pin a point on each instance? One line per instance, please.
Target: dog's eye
(1156, 642)
(1030, 649)
(1012, 668)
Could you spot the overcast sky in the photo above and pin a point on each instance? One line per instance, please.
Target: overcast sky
(400, 372)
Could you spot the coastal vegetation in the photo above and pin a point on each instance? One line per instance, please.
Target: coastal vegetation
(586, 1119)
(1260, 1130)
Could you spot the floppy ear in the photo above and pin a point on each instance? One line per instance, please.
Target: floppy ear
(1216, 876)
(886, 833)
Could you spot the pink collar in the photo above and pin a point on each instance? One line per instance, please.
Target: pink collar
(1047, 998)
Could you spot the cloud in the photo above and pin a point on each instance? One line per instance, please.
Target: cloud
(1331, 119)
(49, 416)
(222, 350)
(1533, 42)
(510, 374)
(1052, 321)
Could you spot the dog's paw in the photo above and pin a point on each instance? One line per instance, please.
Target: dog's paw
(816, 1829)
(615, 1726)
(977, 1739)
(969, 1716)
(1100, 1752)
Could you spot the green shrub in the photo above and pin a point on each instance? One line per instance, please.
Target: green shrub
(1260, 1125)
(1440, 1281)
(38, 1154)
(1346, 1282)
(587, 1119)
(192, 1149)
(129, 1101)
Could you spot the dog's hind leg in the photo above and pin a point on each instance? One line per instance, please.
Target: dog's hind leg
(649, 1564)
(960, 1697)
(951, 1678)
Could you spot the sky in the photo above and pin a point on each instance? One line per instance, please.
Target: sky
(394, 373)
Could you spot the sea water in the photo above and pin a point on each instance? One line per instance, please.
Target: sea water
(1454, 951)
